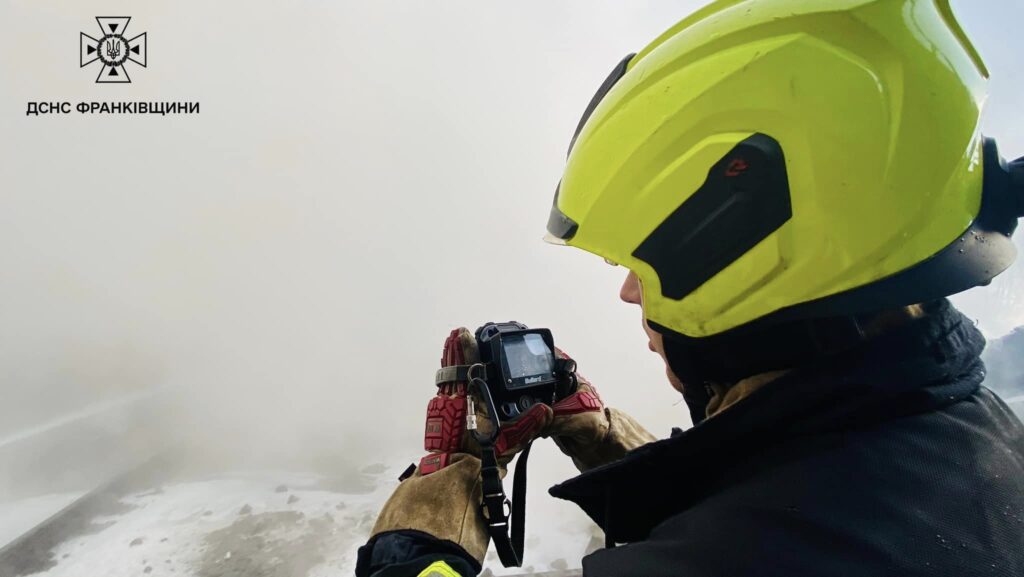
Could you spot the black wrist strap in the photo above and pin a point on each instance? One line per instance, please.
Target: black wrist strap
(502, 516)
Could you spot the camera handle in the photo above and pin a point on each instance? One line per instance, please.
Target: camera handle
(501, 515)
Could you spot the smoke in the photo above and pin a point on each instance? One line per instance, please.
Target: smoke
(361, 178)
(284, 266)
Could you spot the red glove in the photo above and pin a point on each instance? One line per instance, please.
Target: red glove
(588, 432)
(582, 427)
(446, 433)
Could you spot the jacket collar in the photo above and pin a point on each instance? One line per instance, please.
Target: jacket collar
(926, 364)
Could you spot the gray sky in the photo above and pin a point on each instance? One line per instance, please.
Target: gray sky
(294, 255)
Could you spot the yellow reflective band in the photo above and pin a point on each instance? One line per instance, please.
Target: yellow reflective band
(439, 569)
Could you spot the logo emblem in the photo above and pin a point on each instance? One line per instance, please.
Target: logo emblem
(112, 49)
(737, 167)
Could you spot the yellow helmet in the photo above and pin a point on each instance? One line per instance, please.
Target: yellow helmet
(762, 163)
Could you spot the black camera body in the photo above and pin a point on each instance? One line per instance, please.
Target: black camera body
(522, 367)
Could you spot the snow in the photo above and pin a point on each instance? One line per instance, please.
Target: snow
(175, 529)
(260, 524)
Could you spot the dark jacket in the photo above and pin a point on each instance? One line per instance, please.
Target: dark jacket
(892, 460)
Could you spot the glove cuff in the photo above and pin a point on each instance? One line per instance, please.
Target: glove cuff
(405, 553)
(594, 443)
(444, 504)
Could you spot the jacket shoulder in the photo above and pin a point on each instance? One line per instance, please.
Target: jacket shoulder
(909, 497)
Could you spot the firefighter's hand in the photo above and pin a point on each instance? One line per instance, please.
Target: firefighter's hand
(590, 433)
(442, 496)
(446, 432)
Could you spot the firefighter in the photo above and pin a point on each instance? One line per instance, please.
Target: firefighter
(794, 186)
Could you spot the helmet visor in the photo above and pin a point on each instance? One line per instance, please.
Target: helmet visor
(561, 228)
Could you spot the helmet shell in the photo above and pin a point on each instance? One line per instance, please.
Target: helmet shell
(875, 105)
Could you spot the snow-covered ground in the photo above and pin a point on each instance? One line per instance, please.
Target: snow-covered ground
(258, 524)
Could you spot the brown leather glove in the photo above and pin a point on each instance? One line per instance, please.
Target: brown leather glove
(588, 432)
(442, 497)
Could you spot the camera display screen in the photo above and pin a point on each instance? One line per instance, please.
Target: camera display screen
(528, 356)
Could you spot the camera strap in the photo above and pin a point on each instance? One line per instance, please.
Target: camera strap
(459, 374)
(501, 515)
(504, 517)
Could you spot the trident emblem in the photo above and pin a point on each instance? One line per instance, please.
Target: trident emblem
(113, 49)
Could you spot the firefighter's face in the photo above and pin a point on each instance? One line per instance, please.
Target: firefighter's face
(632, 293)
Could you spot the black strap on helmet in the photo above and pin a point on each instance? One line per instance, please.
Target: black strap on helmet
(618, 72)
(560, 225)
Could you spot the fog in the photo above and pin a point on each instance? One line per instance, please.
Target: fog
(362, 177)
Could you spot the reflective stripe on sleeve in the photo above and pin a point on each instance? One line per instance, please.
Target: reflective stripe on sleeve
(439, 569)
